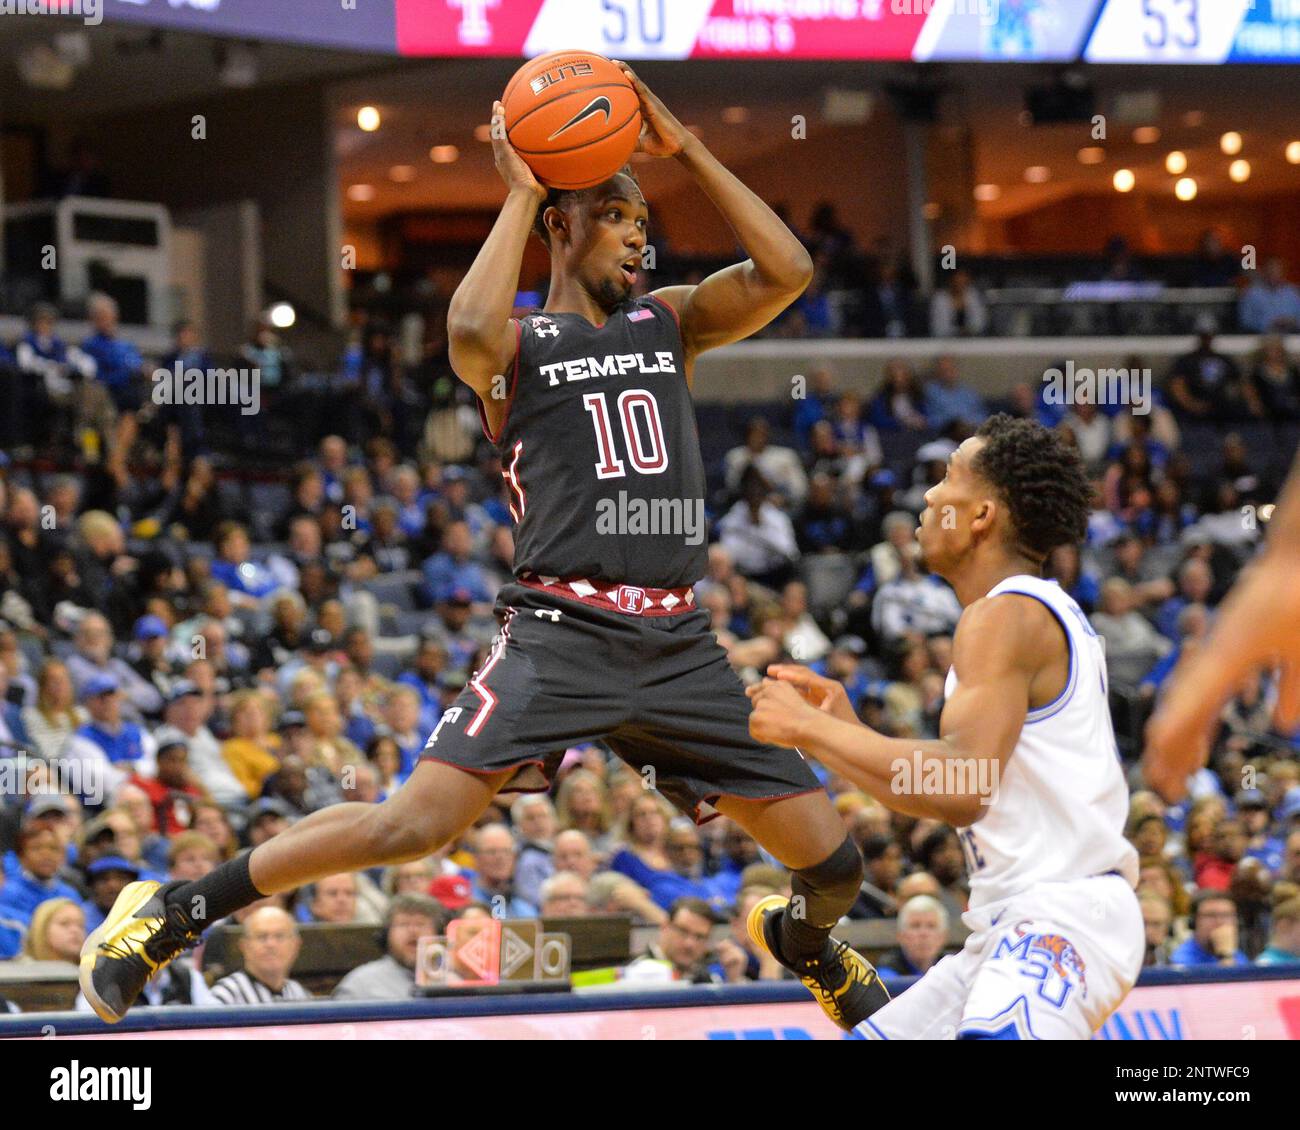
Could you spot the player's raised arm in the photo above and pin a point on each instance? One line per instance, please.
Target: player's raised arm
(480, 337)
(1257, 628)
(998, 649)
(738, 300)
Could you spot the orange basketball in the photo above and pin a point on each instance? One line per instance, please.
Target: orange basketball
(573, 117)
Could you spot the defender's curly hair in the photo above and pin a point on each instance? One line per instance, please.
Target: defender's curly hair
(1041, 480)
(561, 197)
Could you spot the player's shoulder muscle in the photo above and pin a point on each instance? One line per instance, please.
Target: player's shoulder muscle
(479, 361)
(1001, 634)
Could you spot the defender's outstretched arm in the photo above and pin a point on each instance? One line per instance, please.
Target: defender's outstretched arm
(1257, 628)
(998, 649)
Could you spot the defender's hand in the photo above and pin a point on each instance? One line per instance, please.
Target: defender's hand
(827, 695)
(662, 135)
(513, 168)
(780, 714)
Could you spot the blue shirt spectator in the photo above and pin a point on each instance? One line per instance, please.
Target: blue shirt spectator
(947, 399)
(1271, 303)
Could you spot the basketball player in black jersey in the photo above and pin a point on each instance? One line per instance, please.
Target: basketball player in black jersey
(589, 403)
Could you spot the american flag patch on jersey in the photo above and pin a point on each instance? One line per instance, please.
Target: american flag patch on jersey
(639, 315)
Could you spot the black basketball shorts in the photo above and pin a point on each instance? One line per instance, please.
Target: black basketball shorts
(658, 690)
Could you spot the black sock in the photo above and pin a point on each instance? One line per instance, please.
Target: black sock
(220, 892)
(820, 896)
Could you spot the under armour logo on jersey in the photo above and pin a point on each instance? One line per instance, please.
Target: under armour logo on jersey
(544, 327)
(551, 614)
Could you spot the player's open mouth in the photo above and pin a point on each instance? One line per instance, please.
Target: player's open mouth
(629, 270)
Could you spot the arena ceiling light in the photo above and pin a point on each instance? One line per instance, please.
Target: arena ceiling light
(282, 316)
(1124, 180)
(1092, 155)
(1293, 152)
(368, 118)
(1146, 135)
(1176, 163)
(1038, 174)
(443, 154)
(1186, 189)
(1239, 171)
(987, 193)
(1230, 143)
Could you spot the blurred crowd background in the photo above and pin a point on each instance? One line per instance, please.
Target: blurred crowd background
(193, 656)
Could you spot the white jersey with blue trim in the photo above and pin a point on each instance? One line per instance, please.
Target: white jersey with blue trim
(1059, 808)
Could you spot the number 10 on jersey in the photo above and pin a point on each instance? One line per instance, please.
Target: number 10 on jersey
(645, 446)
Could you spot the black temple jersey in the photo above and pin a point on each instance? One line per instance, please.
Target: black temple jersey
(600, 451)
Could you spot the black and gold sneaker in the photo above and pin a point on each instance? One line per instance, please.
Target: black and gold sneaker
(840, 979)
(141, 934)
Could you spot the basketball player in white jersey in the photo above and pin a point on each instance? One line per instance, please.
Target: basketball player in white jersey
(1025, 767)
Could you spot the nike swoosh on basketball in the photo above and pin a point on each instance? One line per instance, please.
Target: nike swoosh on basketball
(596, 104)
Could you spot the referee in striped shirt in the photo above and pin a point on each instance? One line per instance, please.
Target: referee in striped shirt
(270, 946)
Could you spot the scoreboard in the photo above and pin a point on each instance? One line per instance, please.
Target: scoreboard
(1099, 31)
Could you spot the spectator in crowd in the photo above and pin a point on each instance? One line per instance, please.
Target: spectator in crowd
(1157, 922)
(247, 580)
(250, 751)
(333, 899)
(273, 361)
(884, 862)
(914, 602)
(888, 304)
(54, 717)
(1204, 384)
(1270, 304)
(682, 949)
(781, 467)
(496, 857)
(119, 368)
(757, 535)
(563, 894)
(93, 657)
(1284, 941)
(59, 380)
(900, 403)
(533, 817)
(40, 856)
(1213, 940)
(57, 932)
(453, 569)
(573, 853)
(107, 748)
(940, 855)
(410, 917)
(171, 791)
(922, 935)
(1273, 389)
(269, 946)
(950, 400)
(188, 711)
(106, 877)
(957, 308)
(1132, 644)
(190, 856)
